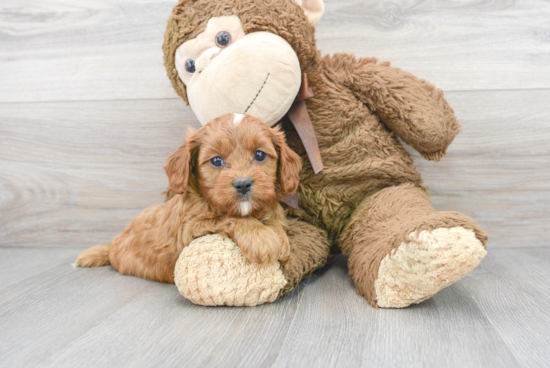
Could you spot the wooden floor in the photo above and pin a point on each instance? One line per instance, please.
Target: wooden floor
(88, 116)
(53, 315)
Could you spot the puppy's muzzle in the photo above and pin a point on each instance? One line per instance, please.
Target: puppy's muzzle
(243, 185)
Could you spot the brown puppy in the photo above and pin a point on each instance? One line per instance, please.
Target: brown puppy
(227, 177)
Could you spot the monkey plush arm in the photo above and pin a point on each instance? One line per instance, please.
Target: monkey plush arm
(411, 107)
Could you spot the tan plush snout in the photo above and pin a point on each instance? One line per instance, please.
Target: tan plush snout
(206, 58)
(259, 75)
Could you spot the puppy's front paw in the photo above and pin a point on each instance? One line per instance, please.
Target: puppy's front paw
(259, 245)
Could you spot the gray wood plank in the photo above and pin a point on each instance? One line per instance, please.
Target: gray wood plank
(160, 328)
(495, 317)
(75, 173)
(111, 49)
(512, 288)
(17, 264)
(83, 50)
(496, 169)
(92, 317)
(46, 312)
(503, 144)
(336, 328)
(457, 45)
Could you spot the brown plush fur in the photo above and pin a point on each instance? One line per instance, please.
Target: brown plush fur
(310, 249)
(369, 197)
(206, 201)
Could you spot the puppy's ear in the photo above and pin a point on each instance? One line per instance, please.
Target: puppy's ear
(179, 164)
(290, 164)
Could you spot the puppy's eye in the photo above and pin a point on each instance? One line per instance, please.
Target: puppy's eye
(190, 66)
(223, 39)
(217, 161)
(260, 156)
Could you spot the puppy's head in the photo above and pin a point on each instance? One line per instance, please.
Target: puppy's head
(238, 163)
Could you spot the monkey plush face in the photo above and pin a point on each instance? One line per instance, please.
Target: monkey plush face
(223, 57)
(260, 71)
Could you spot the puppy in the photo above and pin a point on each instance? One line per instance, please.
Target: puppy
(227, 177)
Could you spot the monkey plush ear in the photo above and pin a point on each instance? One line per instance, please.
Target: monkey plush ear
(314, 9)
(179, 164)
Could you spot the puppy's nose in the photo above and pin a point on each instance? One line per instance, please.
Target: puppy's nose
(242, 185)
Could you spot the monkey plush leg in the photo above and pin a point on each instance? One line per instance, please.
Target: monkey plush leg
(309, 250)
(402, 251)
(212, 270)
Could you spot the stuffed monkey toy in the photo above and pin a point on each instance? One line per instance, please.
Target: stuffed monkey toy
(359, 192)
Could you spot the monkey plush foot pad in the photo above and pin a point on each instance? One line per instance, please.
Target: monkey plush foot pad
(212, 271)
(433, 260)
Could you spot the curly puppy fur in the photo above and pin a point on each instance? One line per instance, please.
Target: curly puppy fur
(360, 110)
(207, 201)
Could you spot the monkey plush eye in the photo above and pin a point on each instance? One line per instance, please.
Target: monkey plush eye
(190, 66)
(217, 161)
(260, 156)
(223, 39)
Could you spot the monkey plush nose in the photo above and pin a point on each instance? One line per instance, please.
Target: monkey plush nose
(242, 185)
